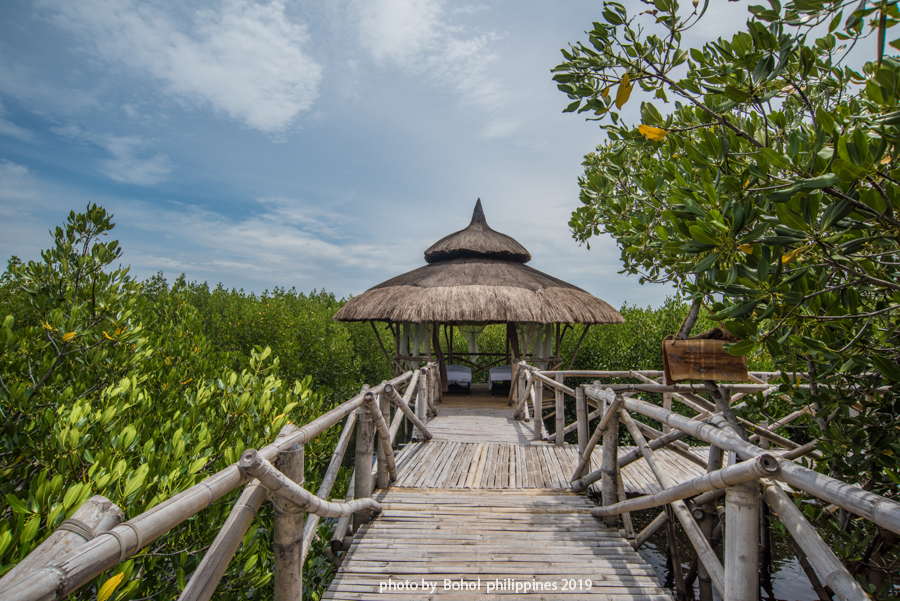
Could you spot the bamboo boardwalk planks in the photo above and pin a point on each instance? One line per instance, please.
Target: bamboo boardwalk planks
(498, 466)
(482, 511)
(490, 543)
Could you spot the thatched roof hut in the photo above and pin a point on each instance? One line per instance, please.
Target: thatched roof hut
(478, 275)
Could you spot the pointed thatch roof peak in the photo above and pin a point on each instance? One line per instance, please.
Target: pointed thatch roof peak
(477, 240)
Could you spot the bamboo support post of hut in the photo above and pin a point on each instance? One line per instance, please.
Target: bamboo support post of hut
(581, 419)
(203, 582)
(97, 514)
(288, 536)
(560, 412)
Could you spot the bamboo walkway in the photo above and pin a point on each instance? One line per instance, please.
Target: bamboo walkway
(482, 511)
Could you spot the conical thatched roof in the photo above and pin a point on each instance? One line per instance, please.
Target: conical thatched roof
(477, 275)
(477, 240)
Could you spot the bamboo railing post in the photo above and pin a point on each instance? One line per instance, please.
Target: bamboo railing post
(538, 408)
(520, 386)
(609, 461)
(365, 437)
(742, 542)
(382, 479)
(560, 411)
(288, 535)
(339, 536)
(420, 409)
(206, 577)
(97, 514)
(581, 419)
(667, 404)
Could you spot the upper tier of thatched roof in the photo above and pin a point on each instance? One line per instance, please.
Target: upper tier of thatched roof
(477, 275)
(477, 240)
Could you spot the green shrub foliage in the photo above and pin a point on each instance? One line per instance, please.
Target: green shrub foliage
(113, 388)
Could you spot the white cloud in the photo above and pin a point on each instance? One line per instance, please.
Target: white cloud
(241, 58)
(421, 38)
(126, 165)
(16, 183)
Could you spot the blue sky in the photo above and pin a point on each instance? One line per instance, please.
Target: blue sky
(316, 144)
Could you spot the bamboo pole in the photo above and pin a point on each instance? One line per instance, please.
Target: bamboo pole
(203, 582)
(574, 425)
(400, 404)
(742, 541)
(538, 400)
(651, 529)
(427, 383)
(704, 551)
(384, 435)
(328, 480)
(875, 508)
(256, 465)
(581, 420)
(78, 567)
(667, 404)
(627, 525)
(764, 466)
(609, 464)
(365, 435)
(819, 553)
(97, 514)
(288, 536)
(675, 556)
(560, 412)
(523, 391)
(676, 446)
(554, 382)
(343, 524)
(585, 459)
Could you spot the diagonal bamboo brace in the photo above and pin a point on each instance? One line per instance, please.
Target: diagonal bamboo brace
(764, 466)
(585, 460)
(255, 465)
(396, 400)
(384, 435)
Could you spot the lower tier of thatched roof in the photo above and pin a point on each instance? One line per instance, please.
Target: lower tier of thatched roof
(478, 290)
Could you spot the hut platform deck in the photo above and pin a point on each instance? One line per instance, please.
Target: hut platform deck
(484, 505)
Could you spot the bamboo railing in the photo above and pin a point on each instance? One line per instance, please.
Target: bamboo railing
(95, 539)
(756, 474)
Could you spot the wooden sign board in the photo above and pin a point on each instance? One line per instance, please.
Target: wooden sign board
(701, 360)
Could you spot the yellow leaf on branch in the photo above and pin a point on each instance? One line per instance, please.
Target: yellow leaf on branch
(109, 586)
(654, 134)
(794, 254)
(624, 92)
(47, 326)
(68, 336)
(108, 337)
(747, 248)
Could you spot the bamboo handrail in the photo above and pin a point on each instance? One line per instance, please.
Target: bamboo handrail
(873, 507)
(253, 463)
(585, 459)
(73, 570)
(764, 466)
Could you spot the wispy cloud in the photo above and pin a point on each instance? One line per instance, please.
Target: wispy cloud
(243, 59)
(16, 183)
(128, 164)
(423, 38)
